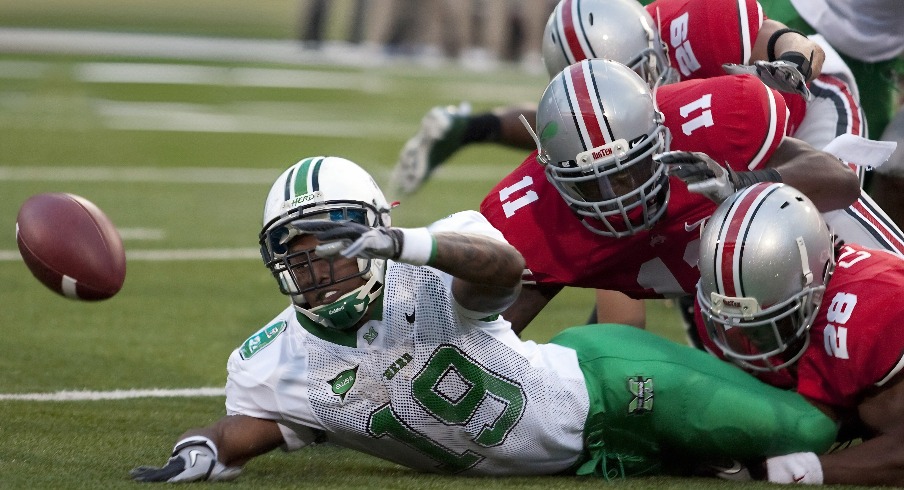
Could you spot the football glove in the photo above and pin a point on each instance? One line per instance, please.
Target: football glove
(788, 73)
(700, 172)
(352, 239)
(193, 459)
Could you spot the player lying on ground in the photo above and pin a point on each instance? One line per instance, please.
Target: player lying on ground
(393, 345)
(781, 299)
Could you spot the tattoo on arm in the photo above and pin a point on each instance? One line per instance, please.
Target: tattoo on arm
(478, 259)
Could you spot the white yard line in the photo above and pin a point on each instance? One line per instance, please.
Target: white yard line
(163, 175)
(66, 395)
(171, 255)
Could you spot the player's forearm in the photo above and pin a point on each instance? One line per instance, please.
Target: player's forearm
(478, 259)
(784, 43)
(828, 182)
(877, 461)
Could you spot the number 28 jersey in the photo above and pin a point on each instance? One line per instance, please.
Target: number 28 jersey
(431, 386)
(855, 341)
(736, 120)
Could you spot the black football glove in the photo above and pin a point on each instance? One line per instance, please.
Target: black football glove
(789, 73)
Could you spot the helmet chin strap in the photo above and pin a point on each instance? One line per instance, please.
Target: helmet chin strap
(346, 311)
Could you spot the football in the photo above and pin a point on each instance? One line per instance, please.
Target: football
(71, 246)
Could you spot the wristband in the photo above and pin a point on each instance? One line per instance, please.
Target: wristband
(770, 46)
(795, 468)
(195, 441)
(803, 64)
(746, 179)
(219, 471)
(418, 246)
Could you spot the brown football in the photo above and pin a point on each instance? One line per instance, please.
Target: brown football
(71, 246)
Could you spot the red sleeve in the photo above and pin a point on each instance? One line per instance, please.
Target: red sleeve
(735, 120)
(701, 35)
(855, 342)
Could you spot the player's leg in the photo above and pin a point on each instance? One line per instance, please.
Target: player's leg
(654, 401)
(444, 130)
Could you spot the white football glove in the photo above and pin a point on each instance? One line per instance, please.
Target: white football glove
(700, 172)
(352, 239)
(193, 459)
(787, 74)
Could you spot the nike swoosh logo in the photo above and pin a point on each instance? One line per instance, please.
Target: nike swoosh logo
(193, 457)
(694, 225)
(410, 316)
(730, 470)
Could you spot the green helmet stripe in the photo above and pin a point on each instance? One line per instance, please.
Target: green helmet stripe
(307, 178)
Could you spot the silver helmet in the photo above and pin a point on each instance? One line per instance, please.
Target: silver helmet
(598, 131)
(619, 30)
(765, 258)
(322, 188)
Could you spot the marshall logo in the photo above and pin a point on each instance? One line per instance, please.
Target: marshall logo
(642, 389)
(343, 382)
(602, 152)
(370, 335)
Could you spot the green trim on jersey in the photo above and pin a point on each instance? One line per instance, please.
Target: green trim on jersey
(348, 338)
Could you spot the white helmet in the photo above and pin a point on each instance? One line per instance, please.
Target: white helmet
(598, 131)
(765, 258)
(619, 30)
(322, 188)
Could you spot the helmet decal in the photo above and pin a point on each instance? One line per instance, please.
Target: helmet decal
(729, 257)
(305, 178)
(585, 99)
(570, 30)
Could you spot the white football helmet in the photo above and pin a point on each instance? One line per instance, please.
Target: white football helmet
(322, 188)
(765, 258)
(619, 30)
(598, 131)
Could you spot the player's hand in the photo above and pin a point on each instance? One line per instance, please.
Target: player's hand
(191, 461)
(352, 239)
(700, 172)
(787, 74)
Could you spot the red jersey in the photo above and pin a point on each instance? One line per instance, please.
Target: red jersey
(734, 119)
(701, 35)
(855, 343)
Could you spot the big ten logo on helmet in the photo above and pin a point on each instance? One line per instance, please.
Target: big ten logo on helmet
(684, 55)
(601, 152)
(303, 199)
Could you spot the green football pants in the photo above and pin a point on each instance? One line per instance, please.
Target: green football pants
(656, 406)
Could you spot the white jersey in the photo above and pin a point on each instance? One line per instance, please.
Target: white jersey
(868, 30)
(431, 386)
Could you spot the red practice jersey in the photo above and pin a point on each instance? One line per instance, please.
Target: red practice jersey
(736, 120)
(855, 343)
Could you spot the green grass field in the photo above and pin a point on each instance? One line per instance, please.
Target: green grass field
(180, 152)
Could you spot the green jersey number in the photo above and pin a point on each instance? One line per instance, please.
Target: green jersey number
(480, 383)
